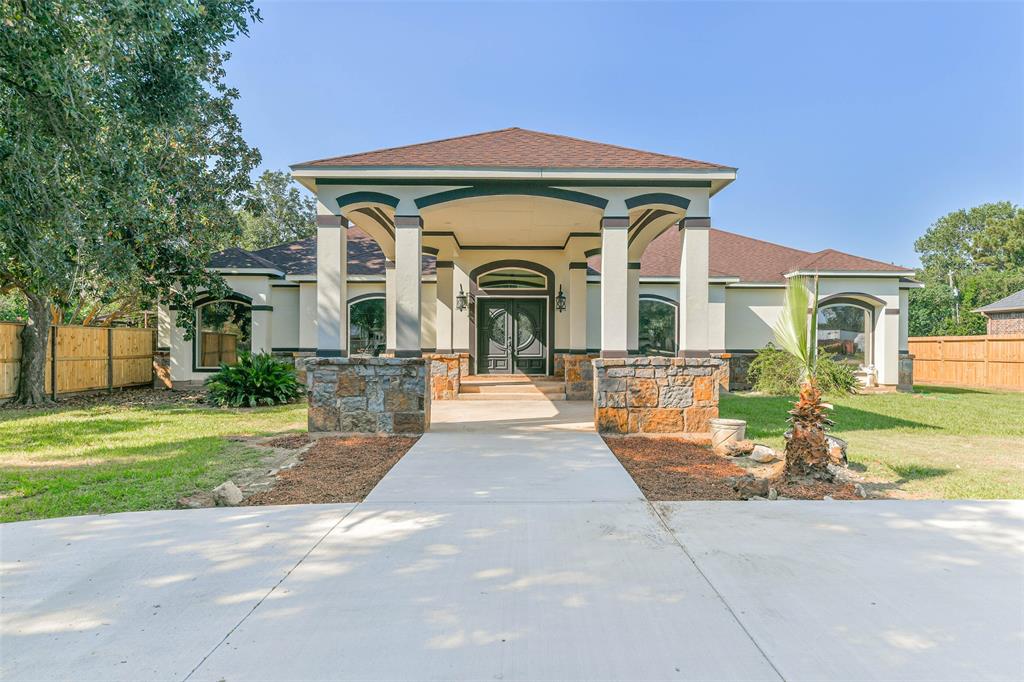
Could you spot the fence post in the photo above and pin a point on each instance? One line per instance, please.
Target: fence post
(53, 362)
(110, 359)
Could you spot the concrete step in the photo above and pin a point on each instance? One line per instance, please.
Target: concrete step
(546, 387)
(512, 396)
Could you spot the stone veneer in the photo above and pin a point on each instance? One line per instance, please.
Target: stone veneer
(368, 395)
(446, 372)
(577, 370)
(905, 375)
(656, 394)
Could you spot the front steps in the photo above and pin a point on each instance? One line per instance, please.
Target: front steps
(511, 387)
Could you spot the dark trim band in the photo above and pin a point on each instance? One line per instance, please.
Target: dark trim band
(658, 198)
(408, 353)
(610, 354)
(695, 223)
(367, 198)
(578, 265)
(325, 353)
(488, 190)
(444, 264)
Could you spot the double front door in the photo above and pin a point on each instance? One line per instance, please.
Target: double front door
(512, 336)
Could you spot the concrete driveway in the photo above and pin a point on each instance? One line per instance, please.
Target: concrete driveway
(510, 544)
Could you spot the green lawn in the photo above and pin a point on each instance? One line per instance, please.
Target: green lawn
(936, 442)
(105, 459)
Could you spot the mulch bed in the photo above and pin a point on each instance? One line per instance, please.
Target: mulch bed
(333, 470)
(292, 441)
(669, 469)
(122, 397)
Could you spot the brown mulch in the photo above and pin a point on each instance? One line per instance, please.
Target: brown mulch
(335, 470)
(292, 441)
(670, 469)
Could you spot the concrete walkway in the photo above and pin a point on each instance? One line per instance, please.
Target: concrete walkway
(510, 544)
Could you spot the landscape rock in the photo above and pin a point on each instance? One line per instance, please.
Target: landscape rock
(763, 454)
(773, 494)
(861, 492)
(750, 486)
(227, 494)
(737, 449)
(837, 450)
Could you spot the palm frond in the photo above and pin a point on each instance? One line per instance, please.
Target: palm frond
(796, 329)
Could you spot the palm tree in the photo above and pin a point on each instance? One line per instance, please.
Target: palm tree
(796, 331)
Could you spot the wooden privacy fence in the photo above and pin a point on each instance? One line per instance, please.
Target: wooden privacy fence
(972, 361)
(87, 358)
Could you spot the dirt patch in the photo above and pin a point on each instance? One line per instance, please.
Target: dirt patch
(121, 397)
(673, 469)
(335, 470)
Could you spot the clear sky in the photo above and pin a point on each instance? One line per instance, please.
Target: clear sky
(853, 125)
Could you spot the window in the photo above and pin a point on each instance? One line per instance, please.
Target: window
(512, 278)
(224, 332)
(657, 327)
(844, 331)
(366, 335)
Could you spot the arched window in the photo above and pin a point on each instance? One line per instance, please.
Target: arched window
(225, 329)
(512, 278)
(366, 320)
(844, 331)
(657, 326)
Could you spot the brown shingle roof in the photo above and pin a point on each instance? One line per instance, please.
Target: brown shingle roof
(515, 148)
(731, 254)
(752, 260)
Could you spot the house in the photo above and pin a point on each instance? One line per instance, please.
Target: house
(1005, 316)
(521, 252)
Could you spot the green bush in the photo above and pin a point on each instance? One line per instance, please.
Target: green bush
(257, 379)
(776, 372)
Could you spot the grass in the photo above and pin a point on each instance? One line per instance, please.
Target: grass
(935, 443)
(104, 459)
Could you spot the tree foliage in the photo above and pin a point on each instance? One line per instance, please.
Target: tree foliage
(122, 163)
(971, 257)
(281, 212)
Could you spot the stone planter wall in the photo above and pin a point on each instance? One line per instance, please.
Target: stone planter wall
(656, 394)
(367, 395)
(577, 371)
(446, 372)
(739, 364)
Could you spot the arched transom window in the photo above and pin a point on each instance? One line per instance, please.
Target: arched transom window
(512, 278)
(366, 319)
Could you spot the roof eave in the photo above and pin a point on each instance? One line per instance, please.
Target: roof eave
(720, 176)
(849, 273)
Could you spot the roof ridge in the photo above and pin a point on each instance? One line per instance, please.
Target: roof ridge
(618, 146)
(409, 146)
(819, 254)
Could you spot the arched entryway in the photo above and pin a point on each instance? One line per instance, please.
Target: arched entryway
(513, 317)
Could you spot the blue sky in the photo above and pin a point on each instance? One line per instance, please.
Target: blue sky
(854, 125)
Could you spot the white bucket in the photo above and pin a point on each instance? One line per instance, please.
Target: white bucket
(725, 432)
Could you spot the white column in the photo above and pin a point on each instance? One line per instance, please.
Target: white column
(578, 307)
(408, 280)
(614, 286)
(693, 287)
(163, 327)
(445, 307)
(887, 341)
(461, 343)
(331, 285)
(633, 307)
(307, 315)
(904, 321)
(716, 318)
(390, 307)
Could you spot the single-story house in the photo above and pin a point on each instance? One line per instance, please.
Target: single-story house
(518, 249)
(1005, 316)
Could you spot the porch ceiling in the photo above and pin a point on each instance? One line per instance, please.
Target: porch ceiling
(512, 220)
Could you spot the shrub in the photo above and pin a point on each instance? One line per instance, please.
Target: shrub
(776, 372)
(257, 379)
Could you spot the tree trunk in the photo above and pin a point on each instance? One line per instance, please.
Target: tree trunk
(807, 454)
(34, 337)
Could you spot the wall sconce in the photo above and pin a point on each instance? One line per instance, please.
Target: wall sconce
(460, 300)
(560, 300)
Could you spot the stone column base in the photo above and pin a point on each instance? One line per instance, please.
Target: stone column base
(367, 395)
(656, 394)
(162, 369)
(578, 373)
(905, 375)
(446, 372)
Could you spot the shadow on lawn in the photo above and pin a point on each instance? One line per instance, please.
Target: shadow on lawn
(69, 433)
(766, 416)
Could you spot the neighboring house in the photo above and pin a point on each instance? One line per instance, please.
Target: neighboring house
(1005, 316)
(519, 248)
